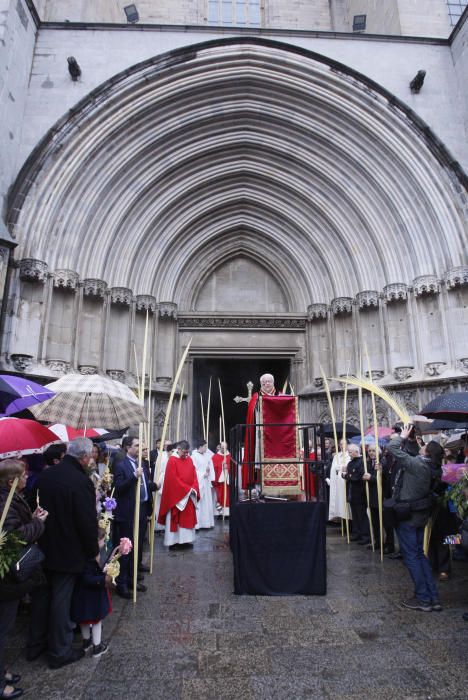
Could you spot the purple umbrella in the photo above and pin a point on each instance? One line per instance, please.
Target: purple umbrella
(17, 394)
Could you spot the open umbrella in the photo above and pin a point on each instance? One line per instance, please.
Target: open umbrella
(351, 430)
(25, 436)
(83, 400)
(369, 440)
(382, 431)
(17, 394)
(67, 433)
(451, 406)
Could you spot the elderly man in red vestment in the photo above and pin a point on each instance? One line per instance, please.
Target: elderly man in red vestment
(179, 498)
(267, 388)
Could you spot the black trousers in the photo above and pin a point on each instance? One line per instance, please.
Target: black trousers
(8, 610)
(125, 529)
(360, 521)
(50, 615)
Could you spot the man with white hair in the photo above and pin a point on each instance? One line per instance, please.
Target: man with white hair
(70, 539)
(249, 469)
(357, 495)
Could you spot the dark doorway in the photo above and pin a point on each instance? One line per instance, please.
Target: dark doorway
(234, 375)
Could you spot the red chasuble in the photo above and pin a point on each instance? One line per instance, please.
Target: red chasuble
(179, 478)
(217, 460)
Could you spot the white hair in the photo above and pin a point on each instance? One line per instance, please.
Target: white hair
(354, 449)
(267, 376)
(80, 447)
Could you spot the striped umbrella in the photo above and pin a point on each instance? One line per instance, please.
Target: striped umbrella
(84, 400)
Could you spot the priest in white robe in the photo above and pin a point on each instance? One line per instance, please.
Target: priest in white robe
(338, 505)
(206, 474)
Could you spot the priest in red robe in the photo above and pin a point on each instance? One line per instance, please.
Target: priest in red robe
(222, 465)
(267, 388)
(179, 498)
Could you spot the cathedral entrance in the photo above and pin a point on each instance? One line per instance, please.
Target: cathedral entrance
(234, 375)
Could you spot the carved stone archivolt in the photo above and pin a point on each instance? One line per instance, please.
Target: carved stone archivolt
(456, 277)
(342, 305)
(426, 284)
(395, 292)
(65, 279)
(402, 373)
(317, 312)
(21, 362)
(93, 287)
(242, 322)
(58, 366)
(121, 296)
(33, 270)
(145, 302)
(167, 309)
(368, 299)
(434, 369)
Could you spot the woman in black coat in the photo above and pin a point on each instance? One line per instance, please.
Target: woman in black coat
(29, 526)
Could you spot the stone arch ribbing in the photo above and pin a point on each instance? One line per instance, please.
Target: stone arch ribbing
(179, 154)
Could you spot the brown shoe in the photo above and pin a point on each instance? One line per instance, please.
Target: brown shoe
(443, 576)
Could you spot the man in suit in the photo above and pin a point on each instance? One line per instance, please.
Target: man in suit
(126, 474)
(69, 540)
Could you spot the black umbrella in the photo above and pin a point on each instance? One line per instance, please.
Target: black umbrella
(439, 424)
(351, 430)
(451, 406)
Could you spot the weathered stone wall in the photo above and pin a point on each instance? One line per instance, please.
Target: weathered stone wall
(17, 39)
(102, 54)
(459, 51)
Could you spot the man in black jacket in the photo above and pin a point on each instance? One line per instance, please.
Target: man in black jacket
(69, 540)
(412, 490)
(357, 496)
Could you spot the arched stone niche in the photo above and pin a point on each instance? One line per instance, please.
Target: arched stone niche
(257, 289)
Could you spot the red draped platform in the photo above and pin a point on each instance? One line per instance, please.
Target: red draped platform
(279, 445)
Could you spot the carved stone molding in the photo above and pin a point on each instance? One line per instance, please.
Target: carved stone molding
(317, 311)
(433, 369)
(426, 284)
(65, 279)
(167, 309)
(58, 366)
(33, 270)
(93, 287)
(395, 292)
(456, 277)
(368, 299)
(402, 373)
(87, 369)
(21, 362)
(117, 375)
(318, 383)
(164, 381)
(145, 302)
(160, 412)
(342, 305)
(376, 374)
(211, 322)
(121, 296)
(463, 364)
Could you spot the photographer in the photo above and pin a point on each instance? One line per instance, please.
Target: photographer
(412, 508)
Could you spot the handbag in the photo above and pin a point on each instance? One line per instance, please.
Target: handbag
(27, 564)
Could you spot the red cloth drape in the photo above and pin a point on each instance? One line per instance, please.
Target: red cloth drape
(179, 478)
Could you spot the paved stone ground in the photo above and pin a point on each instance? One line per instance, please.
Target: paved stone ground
(193, 639)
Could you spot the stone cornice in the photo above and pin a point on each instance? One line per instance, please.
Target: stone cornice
(368, 299)
(242, 322)
(317, 312)
(398, 291)
(426, 284)
(122, 296)
(65, 279)
(93, 287)
(456, 277)
(33, 270)
(342, 305)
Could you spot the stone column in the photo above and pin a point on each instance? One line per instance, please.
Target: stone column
(370, 331)
(91, 325)
(456, 303)
(319, 341)
(25, 347)
(60, 328)
(342, 307)
(167, 327)
(121, 318)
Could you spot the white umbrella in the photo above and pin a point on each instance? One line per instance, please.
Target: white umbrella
(84, 400)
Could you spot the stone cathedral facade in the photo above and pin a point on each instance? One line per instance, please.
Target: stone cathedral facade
(260, 177)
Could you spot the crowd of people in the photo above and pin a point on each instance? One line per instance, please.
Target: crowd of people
(78, 510)
(74, 506)
(419, 517)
